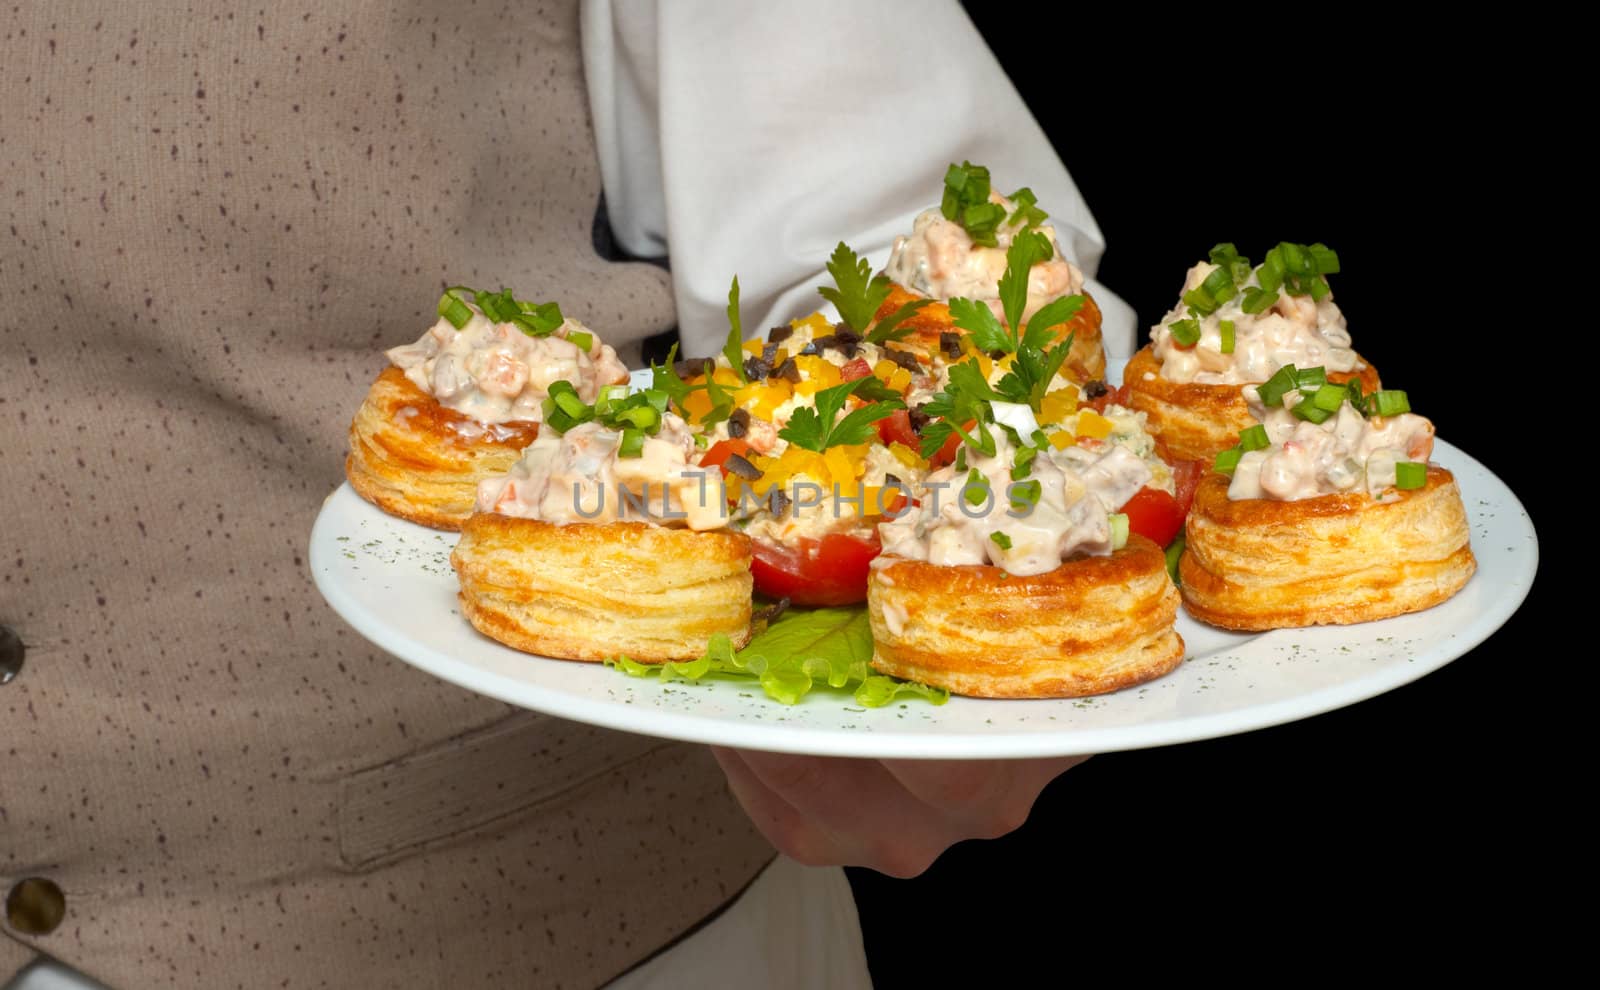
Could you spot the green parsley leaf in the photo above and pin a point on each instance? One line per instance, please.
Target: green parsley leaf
(967, 377)
(1027, 249)
(733, 350)
(664, 378)
(801, 650)
(814, 429)
(1051, 315)
(858, 294)
(890, 327)
(979, 321)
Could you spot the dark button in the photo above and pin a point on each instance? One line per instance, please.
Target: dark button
(35, 906)
(11, 652)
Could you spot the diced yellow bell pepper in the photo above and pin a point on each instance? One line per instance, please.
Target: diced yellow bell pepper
(1093, 425)
(840, 470)
(696, 405)
(754, 346)
(1061, 439)
(905, 455)
(774, 394)
(885, 369)
(1058, 404)
(900, 381)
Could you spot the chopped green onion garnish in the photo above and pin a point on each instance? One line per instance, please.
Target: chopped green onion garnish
(1119, 530)
(1310, 411)
(961, 458)
(1226, 328)
(1294, 259)
(1199, 301)
(1325, 258)
(1175, 551)
(632, 443)
(1319, 288)
(1027, 210)
(1273, 389)
(609, 395)
(570, 404)
(1227, 460)
(1254, 438)
(981, 221)
(1258, 300)
(1039, 439)
(1311, 377)
(1389, 402)
(1001, 540)
(1410, 474)
(1219, 285)
(1025, 495)
(976, 490)
(1270, 274)
(1330, 397)
(454, 310)
(657, 398)
(581, 340)
(1022, 464)
(643, 417)
(1185, 333)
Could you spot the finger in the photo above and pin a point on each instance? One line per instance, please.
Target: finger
(990, 798)
(866, 817)
(790, 832)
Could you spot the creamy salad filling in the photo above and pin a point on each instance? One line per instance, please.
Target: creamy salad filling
(940, 260)
(1294, 330)
(972, 519)
(578, 477)
(495, 373)
(1346, 452)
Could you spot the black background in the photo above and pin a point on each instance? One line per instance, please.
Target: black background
(1418, 812)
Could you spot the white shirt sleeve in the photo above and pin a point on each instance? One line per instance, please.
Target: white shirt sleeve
(750, 138)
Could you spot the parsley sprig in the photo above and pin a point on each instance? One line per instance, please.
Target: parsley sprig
(856, 292)
(987, 332)
(814, 429)
(733, 350)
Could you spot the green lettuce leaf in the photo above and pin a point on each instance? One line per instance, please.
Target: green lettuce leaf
(802, 650)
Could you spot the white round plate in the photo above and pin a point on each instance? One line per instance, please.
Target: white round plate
(392, 581)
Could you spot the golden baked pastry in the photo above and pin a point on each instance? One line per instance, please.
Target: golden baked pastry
(1086, 361)
(1193, 421)
(1254, 564)
(418, 460)
(1094, 624)
(594, 591)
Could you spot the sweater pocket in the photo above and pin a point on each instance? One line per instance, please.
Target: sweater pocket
(479, 781)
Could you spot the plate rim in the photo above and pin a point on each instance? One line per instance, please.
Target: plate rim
(774, 736)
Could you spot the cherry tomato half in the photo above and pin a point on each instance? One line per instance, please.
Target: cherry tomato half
(720, 451)
(858, 368)
(829, 571)
(1155, 514)
(1118, 395)
(1186, 477)
(896, 428)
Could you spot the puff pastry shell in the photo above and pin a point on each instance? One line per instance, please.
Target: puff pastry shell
(1332, 560)
(416, 459)
(1085, 362)
(590, 592)
(1193, 421)
(1092, 625)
